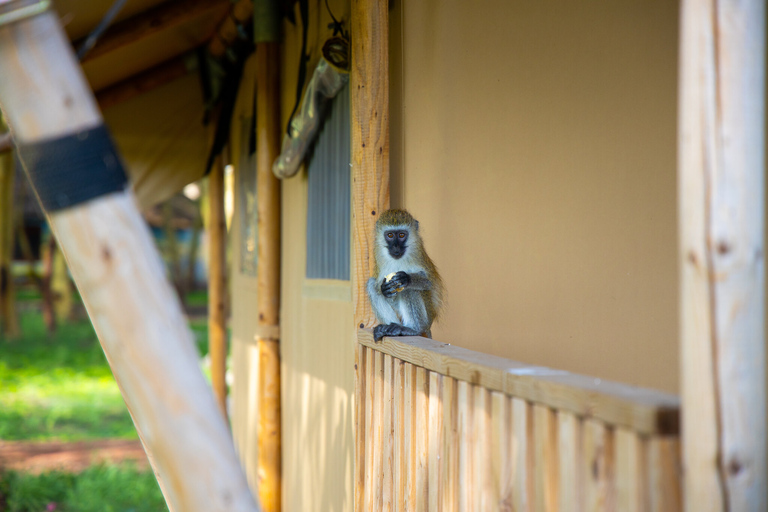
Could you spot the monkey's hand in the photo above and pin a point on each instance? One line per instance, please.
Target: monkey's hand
(395, 284)
(393, 330)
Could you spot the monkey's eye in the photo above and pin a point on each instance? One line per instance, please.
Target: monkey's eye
(402, 235)
(390, 235)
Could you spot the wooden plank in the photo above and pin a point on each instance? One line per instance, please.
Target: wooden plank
(450, 463)
(435, 432)
(631, 471)
(545, 474)
(120, 276)
(402, 432)
(144, 82)
(598, 467)
(369, 90)
(481, 441)
(421, 435)
(569, 436)
(378, 431)
(268, 272)
(361, 405)
(464, 417)
(721, 143)
(643, 410)
(409, 405)
(501, 453)
(387, 437)
(370, 387)
(152, 21)
(10, 320)
(665, 475)
(217, 284)
(523, 461)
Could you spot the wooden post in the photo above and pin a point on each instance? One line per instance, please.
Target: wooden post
(721, 183)
(217, 284)
(135, 312)
(268, 272)
(10, 321)
(369, 87)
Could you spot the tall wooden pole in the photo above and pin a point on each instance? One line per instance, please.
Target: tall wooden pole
(369, 88)
(217, 284)
(268, 272)
(134, 310)
(10, 322)
(721, 180)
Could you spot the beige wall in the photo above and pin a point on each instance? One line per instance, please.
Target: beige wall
(535, 142)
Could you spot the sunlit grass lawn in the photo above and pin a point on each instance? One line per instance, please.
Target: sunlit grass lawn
(59, 387)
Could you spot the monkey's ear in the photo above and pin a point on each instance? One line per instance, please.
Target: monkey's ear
(417, 224)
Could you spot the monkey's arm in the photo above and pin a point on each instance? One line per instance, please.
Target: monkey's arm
(381, 307)
(417, 281)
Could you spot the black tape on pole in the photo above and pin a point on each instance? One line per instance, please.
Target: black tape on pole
(73, 169)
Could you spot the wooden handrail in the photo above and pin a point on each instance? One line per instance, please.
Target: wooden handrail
(645, 411)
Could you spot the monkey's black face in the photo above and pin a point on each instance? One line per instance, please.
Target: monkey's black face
(396, 240)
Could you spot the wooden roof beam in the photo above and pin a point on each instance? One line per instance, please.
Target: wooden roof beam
(151, 22)
(146, 81)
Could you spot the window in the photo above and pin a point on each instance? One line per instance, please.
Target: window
(328, 211)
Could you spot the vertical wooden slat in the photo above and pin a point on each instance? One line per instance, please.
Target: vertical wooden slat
(388, 436)
(721, 148)
(569, 435)
(402, 432)
(481, 440)
(378, 431)
(450, 461)
(370, 405)
(361, 406)
(631, 471)
(217, 284)
(268, 273)
(421, 437)
(435, 441)
(546, 461)
(369, 89)
(598, 467)
(409, 404)
(664, 474)
(501, 453)
(523, 448)
(464, 415)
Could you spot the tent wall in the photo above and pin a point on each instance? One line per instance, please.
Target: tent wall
(316, 332)
(535, 143)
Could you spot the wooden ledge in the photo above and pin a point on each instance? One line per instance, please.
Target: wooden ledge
(642, 410)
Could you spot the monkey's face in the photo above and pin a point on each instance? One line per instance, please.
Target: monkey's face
(396, 242)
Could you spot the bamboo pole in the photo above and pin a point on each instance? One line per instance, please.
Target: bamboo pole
(268, 272)
(721, 183)
(217, 284)
(369, 86)
(135, 312)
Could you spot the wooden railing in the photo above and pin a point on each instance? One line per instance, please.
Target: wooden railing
(442, 428)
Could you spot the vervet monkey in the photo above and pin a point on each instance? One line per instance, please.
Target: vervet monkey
(406, 291)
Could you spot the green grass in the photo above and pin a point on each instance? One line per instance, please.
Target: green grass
(101, 488)
(58, 386)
